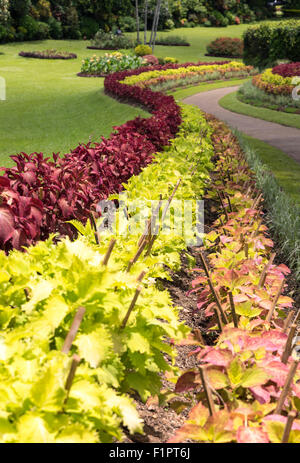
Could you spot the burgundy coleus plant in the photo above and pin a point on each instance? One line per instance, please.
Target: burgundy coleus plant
(287, 69)
(20, 217)
(39, 195)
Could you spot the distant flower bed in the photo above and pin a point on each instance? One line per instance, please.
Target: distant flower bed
(48, 54)
(111, 62)
(203, 72)
(287, 70)
(108, 41)
(276, 84)
(226, 47)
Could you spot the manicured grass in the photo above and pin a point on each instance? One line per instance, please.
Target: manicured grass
(48, 108)
(232, 103)
(199, 38)
(182, 93)
(285, 169)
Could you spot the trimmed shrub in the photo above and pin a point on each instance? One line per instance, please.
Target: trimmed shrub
(227, 47)
(266, 43)
(142, 50)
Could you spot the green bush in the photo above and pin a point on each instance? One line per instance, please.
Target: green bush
(31, 27)
(7, 34)
(108, 41)
(266, 43)
(21, 33)
(70, 33)
(142, 50)
(227, 47)
(169, 24)
(56, 31)
(88, 27)
(43, 30)
(127, 24)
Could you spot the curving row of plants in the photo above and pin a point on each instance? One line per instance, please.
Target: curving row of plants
(211, 71)
(246, 378)
(83, 322)
(39, 195)
(278, 81)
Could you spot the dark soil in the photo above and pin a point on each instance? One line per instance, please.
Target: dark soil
(83, 74)
(223, 56)
(105, 48)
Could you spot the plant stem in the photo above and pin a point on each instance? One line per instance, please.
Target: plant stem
(131, 307)
(288, 345)
(109, 251)
(73, 330)
(286, 387)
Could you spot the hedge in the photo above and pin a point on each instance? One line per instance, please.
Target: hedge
(266, 43)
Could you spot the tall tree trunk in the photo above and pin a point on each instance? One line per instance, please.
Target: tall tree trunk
(153, 25)
(146, 18)
(156, 24)
(137, 21)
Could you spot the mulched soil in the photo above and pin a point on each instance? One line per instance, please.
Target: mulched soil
(106, 48)
(223, 56)
(83, 74)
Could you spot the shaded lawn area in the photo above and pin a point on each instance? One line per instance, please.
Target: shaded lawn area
(284, 168)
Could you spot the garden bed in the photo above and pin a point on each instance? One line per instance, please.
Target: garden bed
(48, 54)
(120, 303)
(250, 94)
(161, 421)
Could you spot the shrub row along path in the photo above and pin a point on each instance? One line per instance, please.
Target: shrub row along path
(285, 138)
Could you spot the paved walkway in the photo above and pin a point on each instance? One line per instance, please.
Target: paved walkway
(285, 138)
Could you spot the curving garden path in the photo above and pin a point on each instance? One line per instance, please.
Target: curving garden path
(285, 138)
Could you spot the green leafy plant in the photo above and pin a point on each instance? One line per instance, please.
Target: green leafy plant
(111, 62)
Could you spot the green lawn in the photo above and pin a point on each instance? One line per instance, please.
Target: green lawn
(199, 38)
(182, 93)
(284, 168)
(232, 103)
(48, 108)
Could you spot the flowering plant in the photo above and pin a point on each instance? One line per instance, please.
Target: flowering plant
(111, 62)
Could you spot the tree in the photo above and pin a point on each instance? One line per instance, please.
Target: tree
(145, 21)
(155, 25)
(137, 21)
